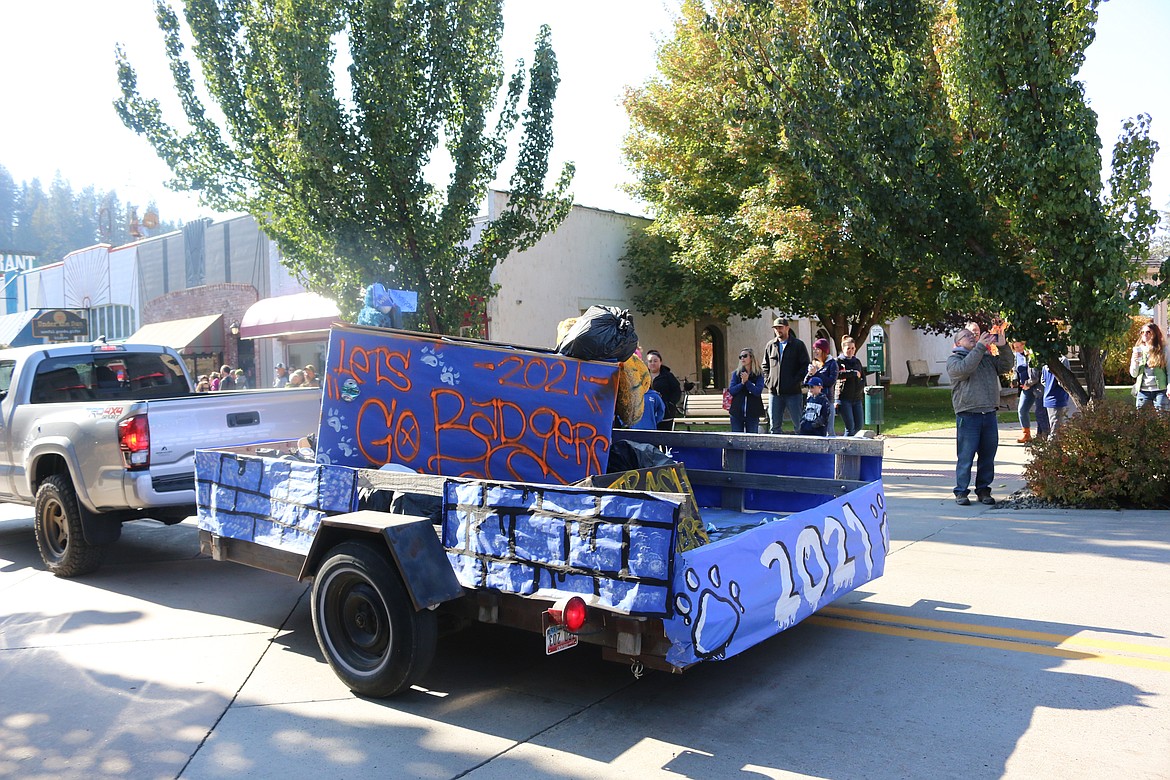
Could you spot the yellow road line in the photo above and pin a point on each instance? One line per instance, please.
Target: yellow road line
(980, 641)
(978, 628)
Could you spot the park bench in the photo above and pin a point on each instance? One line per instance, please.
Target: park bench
(702, 409)
(918, 373)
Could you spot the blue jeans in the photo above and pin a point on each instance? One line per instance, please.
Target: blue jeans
(1028, 399)
(1158, 397)
(852, 414)
(976, 434)
(749, 424)
(779, 404)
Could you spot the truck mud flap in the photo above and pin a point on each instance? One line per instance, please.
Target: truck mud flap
(98, 528)
(413, 544)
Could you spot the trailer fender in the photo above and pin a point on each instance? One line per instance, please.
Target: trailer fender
(413, 545)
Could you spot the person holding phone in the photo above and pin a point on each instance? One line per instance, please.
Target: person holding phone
(1148, 364)
(974, 374)
(747, 394)
(852, 383)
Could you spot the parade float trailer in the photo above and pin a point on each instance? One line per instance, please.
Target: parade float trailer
(481, 481)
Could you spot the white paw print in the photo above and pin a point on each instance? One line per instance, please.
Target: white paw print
(333, 420)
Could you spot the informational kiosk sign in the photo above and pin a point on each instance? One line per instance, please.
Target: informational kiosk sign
(875, 351)
(464, 408)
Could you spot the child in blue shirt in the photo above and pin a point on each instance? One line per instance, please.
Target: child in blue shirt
(815, 420)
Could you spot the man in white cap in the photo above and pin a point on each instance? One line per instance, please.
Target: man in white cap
(281, 375)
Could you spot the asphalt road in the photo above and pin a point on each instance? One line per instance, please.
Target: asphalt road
(999, 643)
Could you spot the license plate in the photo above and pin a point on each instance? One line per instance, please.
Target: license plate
(556, 639)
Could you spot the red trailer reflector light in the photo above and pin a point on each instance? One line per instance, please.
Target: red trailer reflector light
(569, 612)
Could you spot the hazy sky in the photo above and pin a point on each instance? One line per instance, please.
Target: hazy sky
(58, 83)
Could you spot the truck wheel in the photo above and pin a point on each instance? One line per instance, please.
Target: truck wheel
(366, 625)
(60, 537)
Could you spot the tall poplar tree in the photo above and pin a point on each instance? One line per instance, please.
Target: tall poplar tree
(953, 137)
(333, 161)
(741, 221)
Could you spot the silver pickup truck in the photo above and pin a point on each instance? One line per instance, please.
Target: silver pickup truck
(93, 435)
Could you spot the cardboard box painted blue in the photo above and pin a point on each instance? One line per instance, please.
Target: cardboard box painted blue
(464, 408)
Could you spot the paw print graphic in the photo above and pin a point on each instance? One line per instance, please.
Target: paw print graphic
(346, 447)
(712, 613)
(449, 377)
(334, 421)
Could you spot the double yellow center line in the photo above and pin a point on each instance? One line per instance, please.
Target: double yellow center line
(1143, 656)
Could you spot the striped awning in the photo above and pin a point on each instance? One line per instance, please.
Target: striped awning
(192, 336)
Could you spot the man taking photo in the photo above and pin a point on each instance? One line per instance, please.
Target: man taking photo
(974, 373)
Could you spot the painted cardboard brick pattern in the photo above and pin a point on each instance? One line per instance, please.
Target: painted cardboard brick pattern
(519, 540)
(275, 502)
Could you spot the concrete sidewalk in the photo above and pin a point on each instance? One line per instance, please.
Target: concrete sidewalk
(1025, 643)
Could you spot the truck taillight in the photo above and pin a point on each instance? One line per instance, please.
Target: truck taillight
(134, 439)
(569, 612)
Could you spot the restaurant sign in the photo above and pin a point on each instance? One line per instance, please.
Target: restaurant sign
(60, 324)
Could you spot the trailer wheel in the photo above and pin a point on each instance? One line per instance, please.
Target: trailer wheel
(60, 537)
(366, 624)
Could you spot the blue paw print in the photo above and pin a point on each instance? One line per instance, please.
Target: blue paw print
(716, 618)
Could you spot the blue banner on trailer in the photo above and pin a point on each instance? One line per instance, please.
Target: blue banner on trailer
(464, 408)
(734, 593)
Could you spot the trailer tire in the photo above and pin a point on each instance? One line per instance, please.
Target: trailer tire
(366, 625)
(60, 536)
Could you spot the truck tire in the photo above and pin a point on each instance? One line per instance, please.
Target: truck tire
(365, 622)
(60, 537)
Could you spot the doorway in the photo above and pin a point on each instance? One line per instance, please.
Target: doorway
(712, 358)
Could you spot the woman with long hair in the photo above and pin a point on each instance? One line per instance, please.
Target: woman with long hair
(1147, 365)
(747, 394)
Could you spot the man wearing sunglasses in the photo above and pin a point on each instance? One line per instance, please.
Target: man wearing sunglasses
(785, 367)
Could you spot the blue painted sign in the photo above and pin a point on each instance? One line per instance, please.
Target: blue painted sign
(732, 594)
(464, 408)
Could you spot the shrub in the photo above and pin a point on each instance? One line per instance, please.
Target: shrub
(1109, 456)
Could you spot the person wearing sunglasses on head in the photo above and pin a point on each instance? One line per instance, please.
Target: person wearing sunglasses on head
(747, 394)
(1148, 365)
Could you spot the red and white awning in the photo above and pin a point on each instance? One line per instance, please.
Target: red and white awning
(287, 315)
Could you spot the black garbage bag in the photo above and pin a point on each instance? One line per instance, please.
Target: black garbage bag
(627, 455)
(601, 333)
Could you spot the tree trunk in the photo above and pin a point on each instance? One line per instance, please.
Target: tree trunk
(1094, 361)
(1068, 381)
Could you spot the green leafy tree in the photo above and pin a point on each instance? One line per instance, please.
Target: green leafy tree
(7, 208)
(957, 136)
(340, 182)
(1032, 152)
(30, 202)
(740, 223)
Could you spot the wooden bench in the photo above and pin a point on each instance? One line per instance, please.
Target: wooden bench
(918, 373)
(702, 409)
